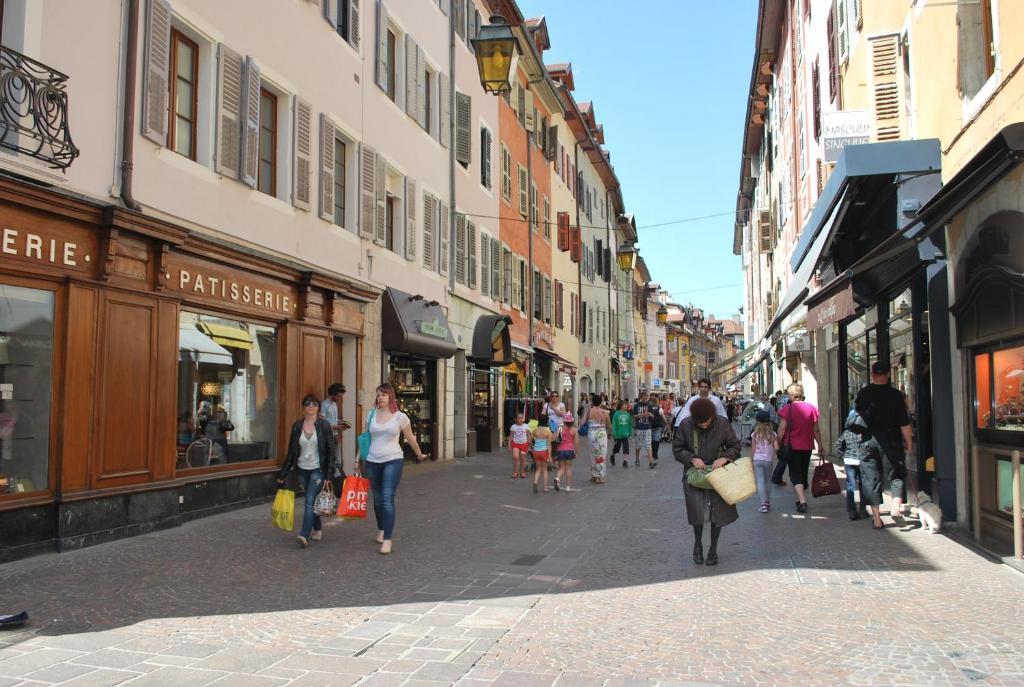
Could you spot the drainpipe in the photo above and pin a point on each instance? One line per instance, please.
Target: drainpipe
(580, 332)
(530, 200)
(128, 125)
(451, 150)
(608, 242)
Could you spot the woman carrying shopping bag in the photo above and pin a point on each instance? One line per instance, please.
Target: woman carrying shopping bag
(311, 451)
(798, 432)
(701, 440)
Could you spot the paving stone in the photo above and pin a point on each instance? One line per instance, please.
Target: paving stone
(112, 658)
(332, 664)
(422, 654)
(446, 672)
(177, 677)
(17, 666)
(59, 672)
(241, 660)
(105, 677)
(403, 666)
(516, 679)
(319, 679)
(192, 650)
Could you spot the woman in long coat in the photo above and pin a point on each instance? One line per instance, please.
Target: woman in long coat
(703, 439)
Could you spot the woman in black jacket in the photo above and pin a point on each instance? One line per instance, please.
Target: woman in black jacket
(311, 451)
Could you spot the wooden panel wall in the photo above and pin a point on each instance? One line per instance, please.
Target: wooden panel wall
(77, 419)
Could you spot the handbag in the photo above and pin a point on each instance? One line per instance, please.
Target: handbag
(735, 481)
(364, 439)
(824, 481)
(355, 496)
(326, 502)
(282, 513)
(698, 477)
(584, 429)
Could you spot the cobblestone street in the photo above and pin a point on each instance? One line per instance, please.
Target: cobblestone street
(491, 584)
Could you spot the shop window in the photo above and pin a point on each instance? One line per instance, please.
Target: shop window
(861, 352)
(1004, 485)
(415, 383)
(901, 348)
(976, 46)
(999, 390)
(227, 392)
(26, 380)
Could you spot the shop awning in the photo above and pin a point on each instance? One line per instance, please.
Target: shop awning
(751, 365)
(198, 347)
(416, 326)
(565, 365)
(226, 335)
(492, 342)
(732, 361)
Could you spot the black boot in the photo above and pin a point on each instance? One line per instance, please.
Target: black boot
(713, 550)
(698, 545)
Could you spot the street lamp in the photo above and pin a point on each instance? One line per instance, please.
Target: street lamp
(626, 256)
(662, 315)
(497, 52)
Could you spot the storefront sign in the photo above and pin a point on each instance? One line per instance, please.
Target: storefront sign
(43, 249)
(833, 309)
(433, 328)
(211, 282)
(843, 128)
(798, 342)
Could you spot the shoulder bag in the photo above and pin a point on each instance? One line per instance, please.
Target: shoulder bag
(696, 477)
(363, 440)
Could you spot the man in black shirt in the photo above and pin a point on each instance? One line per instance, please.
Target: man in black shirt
(885, 410)
(643, 421)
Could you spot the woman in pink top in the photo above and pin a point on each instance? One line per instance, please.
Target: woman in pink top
(798, 431)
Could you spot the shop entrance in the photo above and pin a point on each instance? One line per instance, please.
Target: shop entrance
(415, 383)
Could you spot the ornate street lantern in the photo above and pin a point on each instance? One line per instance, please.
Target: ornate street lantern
(626, 257)
(662, 315)
(497, 52)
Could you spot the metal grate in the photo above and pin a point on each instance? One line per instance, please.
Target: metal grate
(532, 559)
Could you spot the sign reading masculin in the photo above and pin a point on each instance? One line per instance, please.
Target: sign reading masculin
(843, 128)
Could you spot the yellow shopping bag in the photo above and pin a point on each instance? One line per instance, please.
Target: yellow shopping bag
(283, 512)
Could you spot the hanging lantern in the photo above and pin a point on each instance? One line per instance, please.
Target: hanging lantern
(626, 256)
(662, 315)
(497, 52)
(210, 388)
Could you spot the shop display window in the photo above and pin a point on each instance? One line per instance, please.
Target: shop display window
(26, 382)
(861, 352)
(999, 389)
(415, 383)
(901, 348)
(1004, 485)
(227, 392)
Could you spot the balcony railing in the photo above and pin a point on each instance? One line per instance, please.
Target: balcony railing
(34, 110)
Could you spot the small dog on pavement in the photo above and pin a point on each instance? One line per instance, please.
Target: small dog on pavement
(929, 513)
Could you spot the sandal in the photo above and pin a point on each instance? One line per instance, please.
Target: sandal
(515, 475)
(556, 485)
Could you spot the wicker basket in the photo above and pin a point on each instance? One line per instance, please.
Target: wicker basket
(734, 482)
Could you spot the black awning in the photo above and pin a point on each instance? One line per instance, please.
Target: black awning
(492, 343)
(415, 326)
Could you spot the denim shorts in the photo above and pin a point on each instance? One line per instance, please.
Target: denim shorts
(565, 455)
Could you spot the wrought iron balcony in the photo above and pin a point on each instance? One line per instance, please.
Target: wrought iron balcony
(34, 110)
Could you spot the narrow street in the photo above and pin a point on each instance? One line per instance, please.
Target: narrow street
(491, 584)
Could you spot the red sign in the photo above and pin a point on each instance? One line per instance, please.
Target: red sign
(835, 308)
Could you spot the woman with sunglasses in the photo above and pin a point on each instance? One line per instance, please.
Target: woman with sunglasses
(383, 466)
(312, 451)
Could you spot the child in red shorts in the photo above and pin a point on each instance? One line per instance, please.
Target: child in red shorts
(541, 455)
(519, 442)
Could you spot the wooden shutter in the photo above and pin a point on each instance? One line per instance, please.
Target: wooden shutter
(530, 111)
(443, 229)
(517, 284)
(429, 227)
(523, 202)
(471, 253)
(229, 112)
(251, 122)
(607, 264)
(516, 99)
(833, 65)
(575, 244)
(547, 300)
(326, 168)
(410, 219)
(886, 91)
(444, 110)
(506, 273)
(412, 78)
(460, 248)
(421, 89)
(382, 46)
(563, 231)
(367, 191)
(816, 99)
(551, 149)
(558, 304)
(353, 23)
(485, 264)
(463, 126)
(157, 71)
(380, 228)
(302, 154)
(330, 8)
(506, 173)
(460, 17)
(496, 290)
(474, 30)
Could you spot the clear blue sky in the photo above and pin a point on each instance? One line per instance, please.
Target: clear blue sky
(669, 81)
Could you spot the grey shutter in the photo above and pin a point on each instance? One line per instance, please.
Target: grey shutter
(476, 28)
(463, 124)
(250, 122)
(443, 229)
(531, 113)
(353, 23)
(486, 160)
(157, 71)
(471, 253)
(411, 78)
(547, 301)
(551, 153)
(496, 290)
(367, 191)
(460, 18)
(521, 104)
(445, 6)
(517, 284)
(485, 262)
(229, 112)
(381, 229)
(410, 219)
(445, 109)
(331, 13)
(429, 227)
(302, 153)
(382, 46)
(326, 168)
(522, 191)
(421, 89)
(460, 248)
(506, 273)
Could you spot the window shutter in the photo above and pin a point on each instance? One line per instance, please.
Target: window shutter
(471, 253)
(558, 304)
(516, 100)
(530, 112)
(460, 17)
(367, 191)
(486, 159)
(353, 23)
(842, 31)
(506, 174)
(517, 284)
(229, 112)
(250, 122)
(607, 264)
(833, 67)
(381, 187)
(428, 232)
(575, 252)
(485, 264)
(496, 290)
(506, 274)
(475, 30)
(330, 8)
(463, 125)
(599, 255)
(816, 99)
(302, 153)
(460, 248)
(445, 6)
(443, 227)
(421, 89)
(551, 149)
(412, 79)
(563, 231)
(157, 71)
(445, 110)
(583, 321)
(382, 46)
(887, 100)
(326, 168)
(547, 301)
(410, 219)
(522, 192)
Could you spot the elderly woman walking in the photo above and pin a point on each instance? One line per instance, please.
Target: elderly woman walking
(705, 439)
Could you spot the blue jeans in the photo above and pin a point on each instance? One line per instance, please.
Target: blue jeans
(763, 477)
(384, 479)
(854, 484)
(311, 480)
